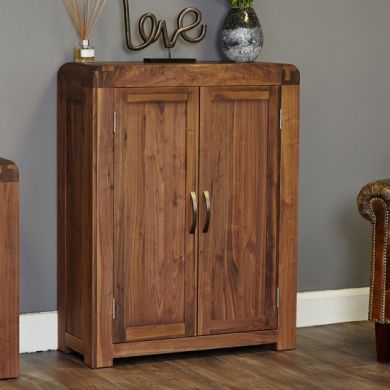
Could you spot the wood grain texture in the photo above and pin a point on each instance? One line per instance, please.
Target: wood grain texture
(238, 148)
(9, 270)
(186, 344)
(61, 213)
(152, 255)
(237, 95)
(76, 227)
(77, 185)
(338, 356)
(157, 97)
(88, 247)
(288, 217)
(122, 75)
(74, 343)
(155, 332)
(166, 75)
(192, 175)
(105, 227)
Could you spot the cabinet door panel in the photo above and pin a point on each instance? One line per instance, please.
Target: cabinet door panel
(155, 172)
(239, 167)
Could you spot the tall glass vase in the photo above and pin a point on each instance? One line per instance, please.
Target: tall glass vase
(242, 36)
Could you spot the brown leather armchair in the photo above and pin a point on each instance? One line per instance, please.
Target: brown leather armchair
(374, 205)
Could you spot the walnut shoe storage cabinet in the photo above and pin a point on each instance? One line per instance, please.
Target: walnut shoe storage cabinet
(177, 207)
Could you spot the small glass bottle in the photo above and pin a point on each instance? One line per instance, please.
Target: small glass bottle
(84, 53)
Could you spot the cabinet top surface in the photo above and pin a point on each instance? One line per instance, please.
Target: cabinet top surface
(139, 74)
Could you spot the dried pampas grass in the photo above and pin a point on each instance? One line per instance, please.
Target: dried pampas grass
(84, 15)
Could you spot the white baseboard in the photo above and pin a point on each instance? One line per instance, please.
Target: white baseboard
(332, 307)
(38, 331)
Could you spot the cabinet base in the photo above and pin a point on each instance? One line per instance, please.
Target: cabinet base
(184, 344)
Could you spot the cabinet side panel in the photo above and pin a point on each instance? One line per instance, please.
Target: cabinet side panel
(79, 212)
(288, 217)
(9, 280)
(75, 209)
(61, 211)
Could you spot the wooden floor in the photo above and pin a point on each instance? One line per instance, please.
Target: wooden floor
(328, 357)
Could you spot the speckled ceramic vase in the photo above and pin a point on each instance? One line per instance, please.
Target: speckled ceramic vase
(242, 36)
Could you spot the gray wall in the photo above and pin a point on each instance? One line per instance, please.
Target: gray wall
(342, 48)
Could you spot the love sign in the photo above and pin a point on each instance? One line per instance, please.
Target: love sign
(150, 29)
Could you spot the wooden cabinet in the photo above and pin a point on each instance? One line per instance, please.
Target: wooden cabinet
(9, 270)
(177, 207)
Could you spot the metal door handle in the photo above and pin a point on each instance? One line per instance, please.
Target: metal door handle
(208, 211)
(194, 212)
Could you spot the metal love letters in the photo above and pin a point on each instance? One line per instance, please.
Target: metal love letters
(156, 28)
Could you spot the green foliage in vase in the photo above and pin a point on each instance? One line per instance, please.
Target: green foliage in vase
(241, 3)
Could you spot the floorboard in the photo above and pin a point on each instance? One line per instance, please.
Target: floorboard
(338, 356)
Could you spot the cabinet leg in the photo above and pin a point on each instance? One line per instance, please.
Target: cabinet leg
(287, 340)
(101, 361)
(61, 344)
(382, 335)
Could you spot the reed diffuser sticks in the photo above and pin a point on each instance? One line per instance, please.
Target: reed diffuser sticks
(84, 14)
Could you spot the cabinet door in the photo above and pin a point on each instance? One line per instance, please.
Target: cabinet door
(239, 164)
(154, 251)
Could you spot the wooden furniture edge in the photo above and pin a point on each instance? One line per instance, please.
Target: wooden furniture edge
(105, 228)
(91, 312)
(116, 74)
(9, 192)
(61, 220)
(9, 172)
(197, 343)
(290, 75)
(99, 74)
(288, 223)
